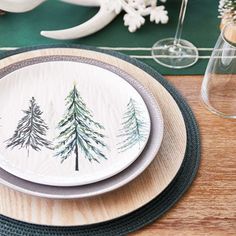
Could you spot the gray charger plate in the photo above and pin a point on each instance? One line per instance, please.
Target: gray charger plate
(109, 184)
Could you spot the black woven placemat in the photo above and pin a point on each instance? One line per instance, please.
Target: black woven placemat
(144, 215)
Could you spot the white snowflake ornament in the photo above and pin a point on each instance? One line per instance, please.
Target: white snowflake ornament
(136, 10)
(113, 6)
(159, 15)
(133, 21)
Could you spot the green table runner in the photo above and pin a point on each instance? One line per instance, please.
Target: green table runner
(201, 28)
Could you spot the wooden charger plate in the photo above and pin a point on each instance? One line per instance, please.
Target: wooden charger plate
(121, 201)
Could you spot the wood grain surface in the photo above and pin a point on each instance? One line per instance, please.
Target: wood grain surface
(209, 207)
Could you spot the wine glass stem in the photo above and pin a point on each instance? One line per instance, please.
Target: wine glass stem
(180, 22)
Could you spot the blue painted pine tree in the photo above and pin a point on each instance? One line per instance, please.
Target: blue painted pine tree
(31, 130)
(134, 129)
(79, 133)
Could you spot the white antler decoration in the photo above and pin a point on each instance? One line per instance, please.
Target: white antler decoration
(104, 16)
(19, 5)
(135, 10)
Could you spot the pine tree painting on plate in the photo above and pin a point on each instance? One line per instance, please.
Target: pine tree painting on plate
(31, 130)
(134, 127)
(79, 132)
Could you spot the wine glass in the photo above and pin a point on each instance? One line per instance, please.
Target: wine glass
(218, 90)
(176, 52)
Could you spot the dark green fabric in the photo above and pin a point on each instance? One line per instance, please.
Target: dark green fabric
(146, 214)
(201, 27)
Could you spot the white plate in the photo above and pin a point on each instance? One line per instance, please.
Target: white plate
(114, 182)
(69, 121)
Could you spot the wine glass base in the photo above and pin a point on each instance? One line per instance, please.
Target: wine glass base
(178, 56)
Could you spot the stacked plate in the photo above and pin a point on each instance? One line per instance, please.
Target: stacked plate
(73, 127)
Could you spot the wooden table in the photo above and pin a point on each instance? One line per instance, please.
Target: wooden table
(209, 207)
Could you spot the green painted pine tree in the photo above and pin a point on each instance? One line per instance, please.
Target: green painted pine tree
(78, 132)
(31, 130)
(134, 128)
(227, 9)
